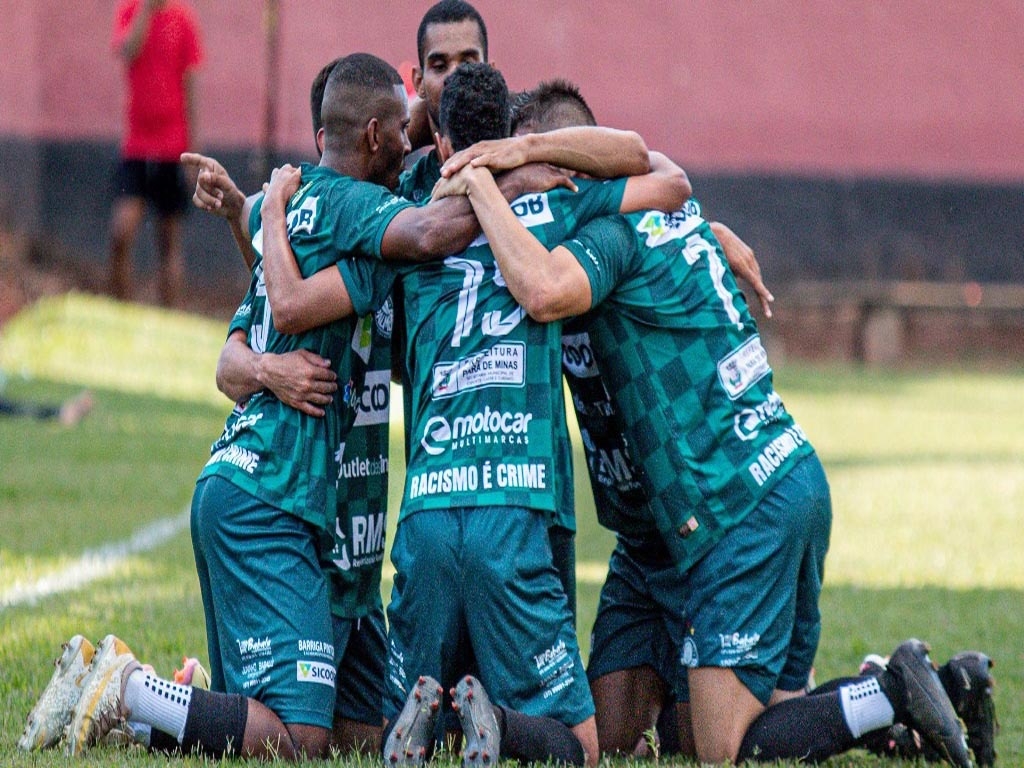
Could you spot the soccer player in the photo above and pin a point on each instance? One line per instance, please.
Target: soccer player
(727, 534)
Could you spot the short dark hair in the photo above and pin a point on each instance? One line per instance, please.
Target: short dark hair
(360, 86)
(449, 12)
(552, 104)
(475, 105)
(316, 95)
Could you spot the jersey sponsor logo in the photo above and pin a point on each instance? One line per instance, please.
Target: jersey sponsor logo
(737, 647)
(451, 480)
(482, 427)
(773, 455)
(533, 210)
(659, 228)
(373, 401)
(244, 459)
(303, 217)
(385, 318)
(743, 367)
(747, 424)
(367, 542)
(552, 655)
(578, 356)
(503, 365)
(315, 672)
(360, 466)
(316, 648)
(250, 646)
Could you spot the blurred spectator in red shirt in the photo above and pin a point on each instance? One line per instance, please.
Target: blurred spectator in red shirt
(160, 45)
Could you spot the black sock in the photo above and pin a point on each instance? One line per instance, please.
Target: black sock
(533, 739)
(668, 731)
(215, 724)
(163, 742)
(810, 728)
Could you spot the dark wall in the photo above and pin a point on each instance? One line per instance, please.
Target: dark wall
(800, 228)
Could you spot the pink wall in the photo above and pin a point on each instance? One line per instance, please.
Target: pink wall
(920, 88)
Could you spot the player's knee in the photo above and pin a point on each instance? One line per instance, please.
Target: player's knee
(309, 741)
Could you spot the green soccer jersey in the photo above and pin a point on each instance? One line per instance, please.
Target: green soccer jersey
(276, 453)
(417, 183)
(488, 411)
(355, 563)
(677, 345)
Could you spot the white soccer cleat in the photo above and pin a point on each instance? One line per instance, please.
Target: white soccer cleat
(100, 706)
(52, 712)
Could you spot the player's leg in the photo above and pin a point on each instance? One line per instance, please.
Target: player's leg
(127, 212)
(632, 659)
(170, 198)
(741, 600)
(523, 638)
(424, 627)
(358, 714)
(276, 640)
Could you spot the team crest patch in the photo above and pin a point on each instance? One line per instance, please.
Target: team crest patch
(689, 657)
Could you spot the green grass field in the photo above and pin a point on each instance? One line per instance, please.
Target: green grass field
(926, 469)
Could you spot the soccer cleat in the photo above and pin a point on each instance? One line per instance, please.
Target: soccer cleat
(968, 682)
(912, 685)
(52, 712)
(411, 741)
(192, 673)
(479, 724)
(100, 707)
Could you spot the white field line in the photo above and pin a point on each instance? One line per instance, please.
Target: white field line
(94, 563)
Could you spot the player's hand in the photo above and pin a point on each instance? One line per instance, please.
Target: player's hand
(537, 177)
(496, 154)
(743, 264)
(284, 182)
(455, 185)
(300, 379)
(215, 192)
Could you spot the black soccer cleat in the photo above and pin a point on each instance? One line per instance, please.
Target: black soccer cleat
(479, 723)
(411, 741)
(912, 685)
(968, 681)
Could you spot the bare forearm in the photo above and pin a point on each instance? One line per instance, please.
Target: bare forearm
(543, 285)
(238, 369)
(601, 152)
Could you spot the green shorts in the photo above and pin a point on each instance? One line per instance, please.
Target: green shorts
(268, 617)
(478, 585)
(640, 616)
(752, 601)
(362, 644)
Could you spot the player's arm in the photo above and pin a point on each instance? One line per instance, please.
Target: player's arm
(549, 285)
(665, 188)
(217, 193)
(596, 151)
(743, 263)
(297, 304)
(300, 379)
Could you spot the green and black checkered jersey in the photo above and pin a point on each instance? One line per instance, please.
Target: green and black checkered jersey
(355, 564)
(354, 567)
(680, 351)
(276, 453)
(488, 409)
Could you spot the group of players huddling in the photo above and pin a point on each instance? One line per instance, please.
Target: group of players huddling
(528, 244)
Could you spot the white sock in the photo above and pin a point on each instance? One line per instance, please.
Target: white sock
(865, 707)
(158, 703)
